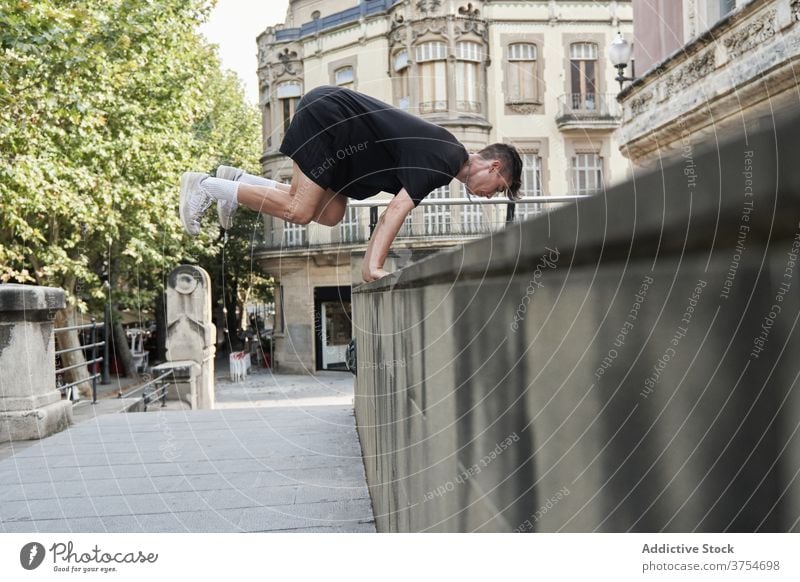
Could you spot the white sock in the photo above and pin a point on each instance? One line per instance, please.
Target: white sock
(256, 180)
(220, 189)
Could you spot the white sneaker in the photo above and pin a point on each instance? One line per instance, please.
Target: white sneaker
(226, 209)
(194, 201)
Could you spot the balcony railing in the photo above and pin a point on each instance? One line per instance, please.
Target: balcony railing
(450, 224)
(588, 110)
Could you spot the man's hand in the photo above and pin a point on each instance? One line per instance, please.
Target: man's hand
(386, 230)
(372, 274)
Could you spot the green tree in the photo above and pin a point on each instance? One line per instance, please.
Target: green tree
(103, 104)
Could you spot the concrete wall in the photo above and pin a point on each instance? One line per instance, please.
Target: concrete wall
(625, 363)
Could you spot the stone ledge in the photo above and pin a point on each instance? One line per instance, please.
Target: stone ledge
(27, 298)
(35, 424)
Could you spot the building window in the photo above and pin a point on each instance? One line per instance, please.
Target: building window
(587, 173)
(348, 228)
(432, 68)
(408, 226)
(522, 73)
(294, 235)
(344, 77)
(288, 94)
(531, 186)
(469, 76)
(583, 76)
(400, 66)
(471, 215)
(437, 216)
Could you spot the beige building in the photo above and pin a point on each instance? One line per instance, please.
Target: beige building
(531, 73)
(709, 67)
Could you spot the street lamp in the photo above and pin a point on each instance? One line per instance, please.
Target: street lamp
(620, 53)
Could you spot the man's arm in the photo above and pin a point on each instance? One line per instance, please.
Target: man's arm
(388, 226)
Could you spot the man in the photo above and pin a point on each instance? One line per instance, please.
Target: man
(344, 145)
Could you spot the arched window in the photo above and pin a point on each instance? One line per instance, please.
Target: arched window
(432, 69)
(522, 74)
(583, 75)
(469, 76)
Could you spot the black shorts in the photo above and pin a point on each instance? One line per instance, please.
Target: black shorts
(358, 146)
(308, 143)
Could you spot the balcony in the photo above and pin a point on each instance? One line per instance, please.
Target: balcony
(588, 111)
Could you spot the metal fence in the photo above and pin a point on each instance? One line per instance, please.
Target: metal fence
(157, 391)
(445, 217)
(68, 389)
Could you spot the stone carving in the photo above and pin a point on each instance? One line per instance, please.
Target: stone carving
(469, 11)
(191, 335)
(264, 48)
(524, 108)
(640, 103)
(429, 25)
(398, 32)
(689, 74)
(472, 25)
(751, 35)
(426, 6)
(795, 8)
(470, 21)
(288, 60)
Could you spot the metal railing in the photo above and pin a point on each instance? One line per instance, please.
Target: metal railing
(587, 106)
(445, 225)
(158, 393)
(68, 389)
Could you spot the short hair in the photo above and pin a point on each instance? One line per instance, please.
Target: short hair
(512, 166)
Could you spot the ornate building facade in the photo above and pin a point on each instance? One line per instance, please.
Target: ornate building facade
(531, 73)
(709, 67)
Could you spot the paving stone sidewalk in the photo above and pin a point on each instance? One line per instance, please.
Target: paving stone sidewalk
(280, 454)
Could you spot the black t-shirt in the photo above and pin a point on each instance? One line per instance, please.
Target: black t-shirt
(358, 146)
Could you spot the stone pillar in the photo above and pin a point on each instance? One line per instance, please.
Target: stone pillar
(30, 405)
(191, 337)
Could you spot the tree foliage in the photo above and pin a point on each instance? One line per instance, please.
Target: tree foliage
(103, 104)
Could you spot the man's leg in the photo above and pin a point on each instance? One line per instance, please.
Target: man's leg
(332, 209)
(304, 201)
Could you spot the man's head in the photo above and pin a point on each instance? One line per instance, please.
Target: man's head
(496, 168)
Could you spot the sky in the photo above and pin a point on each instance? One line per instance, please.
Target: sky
(234, 26)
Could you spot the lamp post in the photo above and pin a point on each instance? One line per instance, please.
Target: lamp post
(620, 53)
